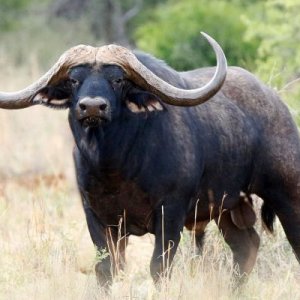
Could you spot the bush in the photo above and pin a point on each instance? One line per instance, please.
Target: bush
(278, 56)
(173, 33)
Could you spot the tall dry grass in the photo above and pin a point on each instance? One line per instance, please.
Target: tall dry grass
(46, 252)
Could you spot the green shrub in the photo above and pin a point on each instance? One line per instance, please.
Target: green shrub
(173, 33)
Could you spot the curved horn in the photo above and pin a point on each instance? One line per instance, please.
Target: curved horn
(113, 54)
(169, 94)
(25, 98)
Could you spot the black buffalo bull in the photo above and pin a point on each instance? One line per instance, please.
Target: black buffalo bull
(147, 155)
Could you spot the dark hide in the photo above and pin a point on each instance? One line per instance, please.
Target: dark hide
(139, 169)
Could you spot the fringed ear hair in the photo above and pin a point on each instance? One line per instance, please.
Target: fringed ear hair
(139, 101)
(55, 96)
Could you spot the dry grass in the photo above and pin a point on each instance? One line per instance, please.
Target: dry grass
(46, 252)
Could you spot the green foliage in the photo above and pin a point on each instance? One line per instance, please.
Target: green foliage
(278, 57)
(10, 11)
(173, 32)
(278, 28)
(101, 254)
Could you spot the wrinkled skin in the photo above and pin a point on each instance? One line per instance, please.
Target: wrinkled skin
(141, 163)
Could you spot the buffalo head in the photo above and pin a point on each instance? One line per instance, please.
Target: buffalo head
(95, 82)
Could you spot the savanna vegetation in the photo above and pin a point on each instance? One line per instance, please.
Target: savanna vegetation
(46, 252)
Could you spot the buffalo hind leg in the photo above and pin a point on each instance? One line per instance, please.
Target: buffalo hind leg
(198, 236)
(244, 244)
(286, 206)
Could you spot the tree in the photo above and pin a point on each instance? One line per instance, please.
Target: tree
(10, 11)
(278, 28)
(173, 32)
(107, 18)
(278, 59)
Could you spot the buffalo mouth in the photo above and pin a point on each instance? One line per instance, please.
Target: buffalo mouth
(93, 121)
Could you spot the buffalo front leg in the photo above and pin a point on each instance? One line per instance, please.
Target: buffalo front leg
(168, 226)
(110, 248)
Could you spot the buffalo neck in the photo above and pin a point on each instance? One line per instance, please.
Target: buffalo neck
(107, 147)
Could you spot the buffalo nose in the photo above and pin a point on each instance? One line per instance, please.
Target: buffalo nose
(92, 105)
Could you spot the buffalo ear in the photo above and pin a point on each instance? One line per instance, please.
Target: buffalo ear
(55, 96)
(139, 101)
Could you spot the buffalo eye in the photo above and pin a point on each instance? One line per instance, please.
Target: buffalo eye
(74, 82)
(117, 83)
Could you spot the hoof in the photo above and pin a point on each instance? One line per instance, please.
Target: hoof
(103, 274)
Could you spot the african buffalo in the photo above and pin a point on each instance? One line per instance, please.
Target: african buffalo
(148, 156)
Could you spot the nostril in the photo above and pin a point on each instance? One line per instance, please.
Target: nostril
(82, 106)
(103, 106)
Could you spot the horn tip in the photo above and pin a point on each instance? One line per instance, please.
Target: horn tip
(207, 36)
(216, 46)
